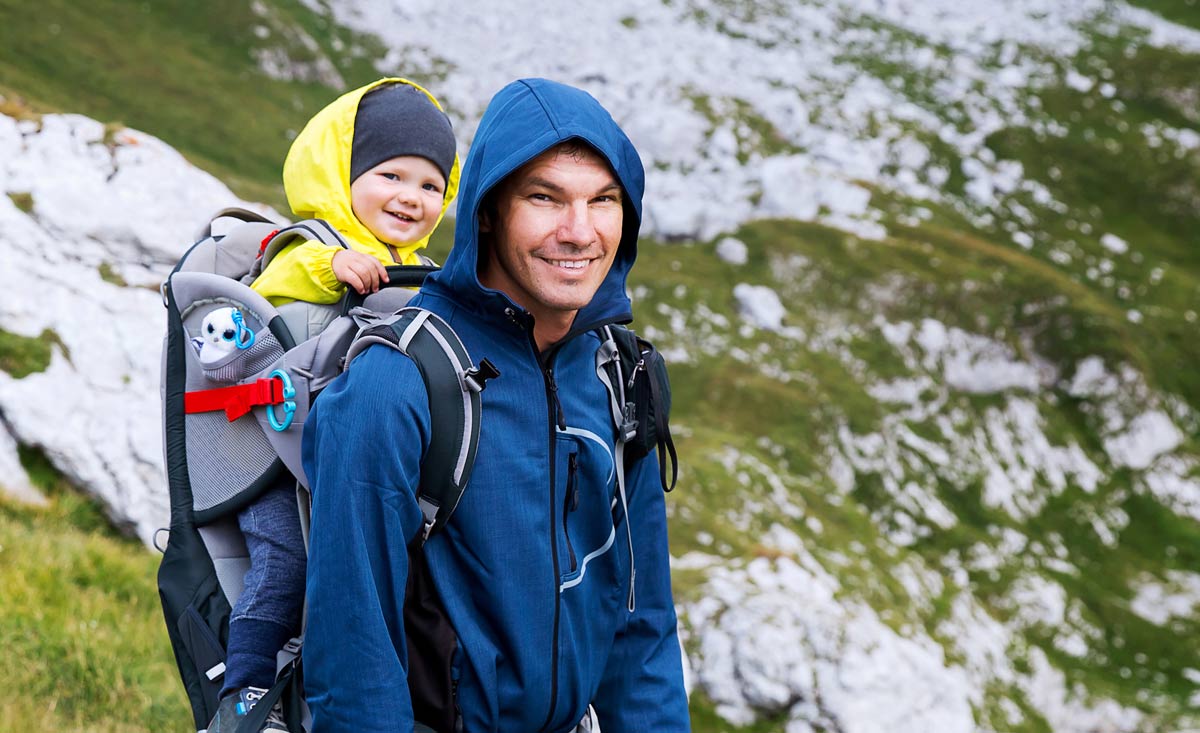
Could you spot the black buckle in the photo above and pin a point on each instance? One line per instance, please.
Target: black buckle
(477, 377)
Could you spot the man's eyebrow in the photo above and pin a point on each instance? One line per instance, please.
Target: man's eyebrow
(612, 186)
(539, 182)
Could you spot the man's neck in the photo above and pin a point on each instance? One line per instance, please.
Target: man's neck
(546, 335)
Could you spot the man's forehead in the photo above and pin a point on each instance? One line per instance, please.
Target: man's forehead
(569, 152)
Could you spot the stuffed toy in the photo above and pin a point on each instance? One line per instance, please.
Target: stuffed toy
(222, 332)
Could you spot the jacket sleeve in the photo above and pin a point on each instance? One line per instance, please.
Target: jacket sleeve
(302, 271)
(361, 450)
(642, 688)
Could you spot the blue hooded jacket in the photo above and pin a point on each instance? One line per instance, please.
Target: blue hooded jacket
(533, 569)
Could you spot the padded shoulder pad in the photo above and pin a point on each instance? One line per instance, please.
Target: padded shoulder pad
(309, 229)
(452, 384)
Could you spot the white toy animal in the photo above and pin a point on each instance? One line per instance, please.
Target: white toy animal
(222, 332)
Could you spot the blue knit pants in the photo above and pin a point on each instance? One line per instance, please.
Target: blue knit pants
(268, 612)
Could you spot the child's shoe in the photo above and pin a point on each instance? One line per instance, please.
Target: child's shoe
(236, 706)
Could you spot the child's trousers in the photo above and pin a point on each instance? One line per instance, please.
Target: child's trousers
(267, 613)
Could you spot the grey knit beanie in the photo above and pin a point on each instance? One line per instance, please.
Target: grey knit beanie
(398, 119)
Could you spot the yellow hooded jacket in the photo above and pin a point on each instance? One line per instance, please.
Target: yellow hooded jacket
(316, 178)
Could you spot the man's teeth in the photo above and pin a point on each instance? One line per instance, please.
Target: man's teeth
(570, 264)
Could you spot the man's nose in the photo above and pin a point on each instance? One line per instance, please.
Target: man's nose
(576, 225)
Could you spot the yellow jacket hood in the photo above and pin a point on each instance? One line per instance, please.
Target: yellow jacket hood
(316, 173)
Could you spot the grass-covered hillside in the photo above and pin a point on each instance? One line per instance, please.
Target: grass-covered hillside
(978, 420)
(80, 621)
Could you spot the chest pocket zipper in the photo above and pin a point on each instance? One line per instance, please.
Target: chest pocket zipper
(571, 503)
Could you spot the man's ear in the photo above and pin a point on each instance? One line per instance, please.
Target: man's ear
(485, 223)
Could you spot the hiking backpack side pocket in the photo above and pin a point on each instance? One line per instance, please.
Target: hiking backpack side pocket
(638, 382)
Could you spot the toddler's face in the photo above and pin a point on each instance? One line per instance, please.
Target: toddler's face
(400, 199)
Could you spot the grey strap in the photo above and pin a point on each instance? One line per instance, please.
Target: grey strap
(626, 427)
(309, 229)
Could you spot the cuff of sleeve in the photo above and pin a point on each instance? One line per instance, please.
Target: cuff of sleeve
(323, 270)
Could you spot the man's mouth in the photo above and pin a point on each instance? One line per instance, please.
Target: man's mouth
(569, 264)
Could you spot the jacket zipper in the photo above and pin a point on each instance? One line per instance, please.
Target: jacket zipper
(554, 410)
(570, 504)
(555, 419)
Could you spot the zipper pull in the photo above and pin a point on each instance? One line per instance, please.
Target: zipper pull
(513, 316)
(633, 375)
(561, 419)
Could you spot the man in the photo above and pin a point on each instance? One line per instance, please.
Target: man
(529, 595)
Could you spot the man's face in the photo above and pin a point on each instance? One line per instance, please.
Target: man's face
(400, 199)
(556, 232)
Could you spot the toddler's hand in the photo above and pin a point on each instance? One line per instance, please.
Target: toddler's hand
(359, 271)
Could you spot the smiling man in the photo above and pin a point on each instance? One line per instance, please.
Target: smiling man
(546, 595)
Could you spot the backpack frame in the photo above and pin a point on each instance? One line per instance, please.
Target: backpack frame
(254, 408)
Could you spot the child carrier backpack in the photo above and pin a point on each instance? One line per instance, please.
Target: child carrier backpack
(239, 377)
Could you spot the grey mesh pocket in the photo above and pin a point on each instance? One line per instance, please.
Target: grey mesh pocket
(224, 458)
(243, 363)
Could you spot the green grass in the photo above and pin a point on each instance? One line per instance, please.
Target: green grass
(110, 275)
(80, 623)
(1184, 12)
(21, 356)
(754, 133)
(23, 200)
(1147, 195)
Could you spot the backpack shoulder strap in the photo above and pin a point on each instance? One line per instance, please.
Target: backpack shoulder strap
(453, 385)
(309, 229)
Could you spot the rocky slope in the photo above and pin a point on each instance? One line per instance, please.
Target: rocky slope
(926, 275)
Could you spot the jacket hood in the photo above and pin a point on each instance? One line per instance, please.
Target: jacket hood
(316, 173)
(523, 120)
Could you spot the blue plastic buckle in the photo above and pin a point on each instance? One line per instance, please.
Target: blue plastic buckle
(289, 405)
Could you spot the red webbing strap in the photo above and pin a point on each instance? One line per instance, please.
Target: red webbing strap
(236, 400)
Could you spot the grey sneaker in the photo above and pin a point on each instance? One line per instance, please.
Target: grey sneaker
(236, 706)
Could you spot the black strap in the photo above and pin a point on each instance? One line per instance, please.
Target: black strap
(288, 690)
(630, 346)
(452, 384)
(664, 439)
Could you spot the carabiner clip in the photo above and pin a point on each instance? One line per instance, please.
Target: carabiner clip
(289, 404)
(244, 338)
